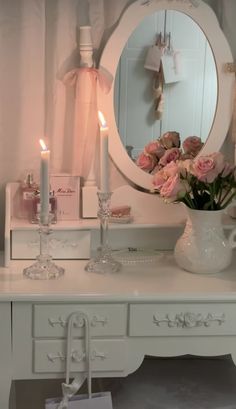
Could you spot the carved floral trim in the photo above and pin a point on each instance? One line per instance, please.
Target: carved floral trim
(57, 321)
(55, 243)
(191, 3)
(76, 356)
(61, 321)
(190, 320)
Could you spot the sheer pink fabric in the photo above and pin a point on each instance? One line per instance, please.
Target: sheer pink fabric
(85, 129)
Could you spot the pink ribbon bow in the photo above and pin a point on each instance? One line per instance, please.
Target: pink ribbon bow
(103, 76)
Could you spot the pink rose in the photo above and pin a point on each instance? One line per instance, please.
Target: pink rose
(155, 148)
(170, 140)
(160, 177)
(170, 155)
(207, 168)
(192, 145)
(146, 162)
(185, 167)
(171, 169)
(173, 188)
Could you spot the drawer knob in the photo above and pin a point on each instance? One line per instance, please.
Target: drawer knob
(189, 319)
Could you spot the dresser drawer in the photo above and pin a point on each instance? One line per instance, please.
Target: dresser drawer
(64, 244)
(182, 319)
(106, 319)
(106, 355)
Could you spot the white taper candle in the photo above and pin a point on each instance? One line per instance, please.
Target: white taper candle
(104, 155)
(44, 182)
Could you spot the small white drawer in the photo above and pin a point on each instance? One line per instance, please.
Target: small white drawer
(106, 319)
(182, 319)
(106, 355)
(64, 244)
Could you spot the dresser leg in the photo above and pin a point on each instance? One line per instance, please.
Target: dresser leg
(5, 387)
(233, 357)
(5, 354)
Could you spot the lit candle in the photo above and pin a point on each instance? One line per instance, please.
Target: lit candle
(44, 182)
(104, 156)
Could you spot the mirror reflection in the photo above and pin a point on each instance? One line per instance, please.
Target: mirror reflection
(165, 89)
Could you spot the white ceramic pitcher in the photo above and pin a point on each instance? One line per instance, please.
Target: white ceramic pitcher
(203, 247)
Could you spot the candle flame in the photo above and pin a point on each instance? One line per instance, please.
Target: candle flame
(102, 119)
(43, 145)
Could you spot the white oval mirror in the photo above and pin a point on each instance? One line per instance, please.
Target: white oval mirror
(191, 28)
(169, 85)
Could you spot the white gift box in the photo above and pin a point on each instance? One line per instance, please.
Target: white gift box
(153, 58)
(101, 400)
(173, 67)
(66, 188)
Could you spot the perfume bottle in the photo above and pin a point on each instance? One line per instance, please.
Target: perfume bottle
(28, 189)
(36, 208)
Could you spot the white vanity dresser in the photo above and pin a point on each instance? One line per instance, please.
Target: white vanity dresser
(156, 309)
(152, 309)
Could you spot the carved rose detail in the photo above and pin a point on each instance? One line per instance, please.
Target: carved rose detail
(189, 320)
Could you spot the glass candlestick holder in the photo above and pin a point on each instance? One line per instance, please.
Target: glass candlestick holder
(44, 268)
(103, 261)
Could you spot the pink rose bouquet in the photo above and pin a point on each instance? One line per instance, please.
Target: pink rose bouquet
(203, 183)
(167, 148)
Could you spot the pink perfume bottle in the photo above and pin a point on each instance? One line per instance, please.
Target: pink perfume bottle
(28, 189)
(36, 208)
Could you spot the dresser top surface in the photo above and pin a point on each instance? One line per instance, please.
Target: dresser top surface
(160, 281)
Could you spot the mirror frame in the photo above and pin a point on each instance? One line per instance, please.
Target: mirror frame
(204, 16)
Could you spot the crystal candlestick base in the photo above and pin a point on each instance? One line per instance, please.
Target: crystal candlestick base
(103, 261)
(44, 268)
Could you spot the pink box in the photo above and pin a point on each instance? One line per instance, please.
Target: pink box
(67, 191)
